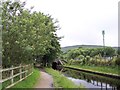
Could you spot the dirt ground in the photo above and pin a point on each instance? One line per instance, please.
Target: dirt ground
(45, 80)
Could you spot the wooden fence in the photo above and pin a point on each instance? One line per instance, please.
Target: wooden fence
(20, 72)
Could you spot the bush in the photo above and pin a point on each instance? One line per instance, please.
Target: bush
(103, 62)
(80, 57)
(76, 62)
(87, 60)
(117, 61)
(91, 61)
(98, 62)
(70, 61)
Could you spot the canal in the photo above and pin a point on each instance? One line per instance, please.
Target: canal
(91, 81)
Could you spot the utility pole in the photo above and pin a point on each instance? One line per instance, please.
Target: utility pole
(103, 33)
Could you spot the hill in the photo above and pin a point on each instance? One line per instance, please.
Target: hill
(64, 49)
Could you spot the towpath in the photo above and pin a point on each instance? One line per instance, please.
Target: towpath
(45, 80)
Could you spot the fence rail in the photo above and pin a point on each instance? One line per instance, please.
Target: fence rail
(26, 70)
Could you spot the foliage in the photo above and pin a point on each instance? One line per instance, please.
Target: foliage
(73, 53)
(117, 61)
(118, 51)
(110, 52)
(91, 56)
(27, 35)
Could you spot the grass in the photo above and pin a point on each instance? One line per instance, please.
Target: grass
(0, 86)
(30, 81)
(102, 69)
(60, 81)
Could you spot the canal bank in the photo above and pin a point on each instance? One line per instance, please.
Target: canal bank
(91, 80)
(61, 81)
(94, 72)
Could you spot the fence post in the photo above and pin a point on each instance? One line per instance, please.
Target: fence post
(20, 72)
(12, 75)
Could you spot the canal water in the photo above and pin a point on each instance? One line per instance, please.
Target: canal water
(91, 81)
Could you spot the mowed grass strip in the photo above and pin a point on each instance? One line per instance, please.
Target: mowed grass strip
(60, 81)
(30, 81)
(102, 69)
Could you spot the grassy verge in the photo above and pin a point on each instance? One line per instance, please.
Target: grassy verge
(30, 81)
(60, 80)
(0, 86)
(99, 69)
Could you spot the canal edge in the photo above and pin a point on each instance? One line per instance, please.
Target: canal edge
(94, 72)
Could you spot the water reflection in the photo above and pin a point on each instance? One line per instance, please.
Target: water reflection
(92, 80)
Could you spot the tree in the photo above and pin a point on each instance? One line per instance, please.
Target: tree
(118, 51)
(27, 35)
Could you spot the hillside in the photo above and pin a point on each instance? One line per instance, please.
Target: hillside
(64, 49)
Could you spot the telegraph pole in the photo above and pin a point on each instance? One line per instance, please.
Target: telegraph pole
(103, 33)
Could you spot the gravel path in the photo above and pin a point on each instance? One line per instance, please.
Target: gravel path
(45, 80)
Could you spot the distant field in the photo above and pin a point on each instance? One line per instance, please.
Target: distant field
(64, 49)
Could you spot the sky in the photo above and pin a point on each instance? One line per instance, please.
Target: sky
(82, 21)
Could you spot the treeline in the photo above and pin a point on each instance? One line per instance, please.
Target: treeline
(27, 36)
(107, 56)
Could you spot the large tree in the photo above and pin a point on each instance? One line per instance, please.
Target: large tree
(27, 34)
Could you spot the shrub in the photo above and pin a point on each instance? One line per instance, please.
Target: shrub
(117, 61)
(70, 61)
(76, 62)
(87, 60)
(113, 62)
(80, 57)
(98, 62)
(92, 61)
(103, 62)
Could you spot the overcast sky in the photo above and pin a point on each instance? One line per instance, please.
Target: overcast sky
(82, 21)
